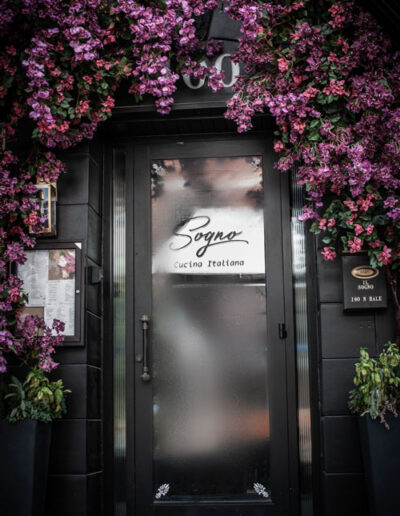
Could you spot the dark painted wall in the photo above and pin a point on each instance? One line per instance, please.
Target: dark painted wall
(340, 337)
(76, 468)
(75, 480)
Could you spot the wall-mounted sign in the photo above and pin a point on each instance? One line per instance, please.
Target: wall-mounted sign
(215, 241)
(52, 281)
(364, 287)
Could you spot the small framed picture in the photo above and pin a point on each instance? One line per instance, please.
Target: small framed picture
(46, 196)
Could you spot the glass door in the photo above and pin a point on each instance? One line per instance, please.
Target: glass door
(210, 385)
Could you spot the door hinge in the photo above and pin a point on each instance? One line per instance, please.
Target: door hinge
(282, 331)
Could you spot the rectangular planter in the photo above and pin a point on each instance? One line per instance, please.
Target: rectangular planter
(381, 457)
(24, 453)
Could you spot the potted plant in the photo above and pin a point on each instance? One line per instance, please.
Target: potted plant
(27, 408)
(376, 401)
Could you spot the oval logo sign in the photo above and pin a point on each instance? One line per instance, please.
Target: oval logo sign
(364, 272)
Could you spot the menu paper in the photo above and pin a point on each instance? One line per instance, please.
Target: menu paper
(49, 281)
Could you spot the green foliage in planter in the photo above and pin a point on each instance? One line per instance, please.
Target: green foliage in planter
(377, 384)
(36, 398)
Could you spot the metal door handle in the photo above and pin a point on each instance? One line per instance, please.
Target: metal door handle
(145, 376)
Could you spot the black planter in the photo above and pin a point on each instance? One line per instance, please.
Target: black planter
(381, 457)
(24, 458)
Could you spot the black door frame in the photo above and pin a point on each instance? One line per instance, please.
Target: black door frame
(282, 180)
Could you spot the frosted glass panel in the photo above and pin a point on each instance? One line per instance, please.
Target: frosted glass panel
(209, 349)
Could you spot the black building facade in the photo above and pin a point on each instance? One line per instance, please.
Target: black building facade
(112, 200)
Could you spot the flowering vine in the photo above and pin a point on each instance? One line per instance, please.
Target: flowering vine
(330, 78)
(61, 63)
(324, 70)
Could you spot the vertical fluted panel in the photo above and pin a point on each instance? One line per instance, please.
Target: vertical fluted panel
(302, 356)
(119, 248)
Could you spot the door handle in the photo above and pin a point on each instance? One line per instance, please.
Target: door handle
(145, 320)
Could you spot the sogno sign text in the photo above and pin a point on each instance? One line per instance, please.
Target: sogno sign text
(215, 241)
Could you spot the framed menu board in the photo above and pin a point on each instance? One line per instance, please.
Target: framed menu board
(52, 277)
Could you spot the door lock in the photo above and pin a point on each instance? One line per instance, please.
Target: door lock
(282, 331)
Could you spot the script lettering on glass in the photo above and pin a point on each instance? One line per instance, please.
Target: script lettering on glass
(223, 240)
(208, 238)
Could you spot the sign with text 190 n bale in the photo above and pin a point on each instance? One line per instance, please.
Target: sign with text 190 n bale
(215, 241)
(364, 286)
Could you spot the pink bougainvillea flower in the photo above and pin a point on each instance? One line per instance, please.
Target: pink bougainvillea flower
(328, 253)
(328, 77)
(355, 245)
(283, 65)
(385, 256)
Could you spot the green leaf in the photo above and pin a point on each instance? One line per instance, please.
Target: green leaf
(314, 136)
(379, 220)
(373, 261)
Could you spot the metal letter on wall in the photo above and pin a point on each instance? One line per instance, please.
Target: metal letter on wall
(222, 63)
